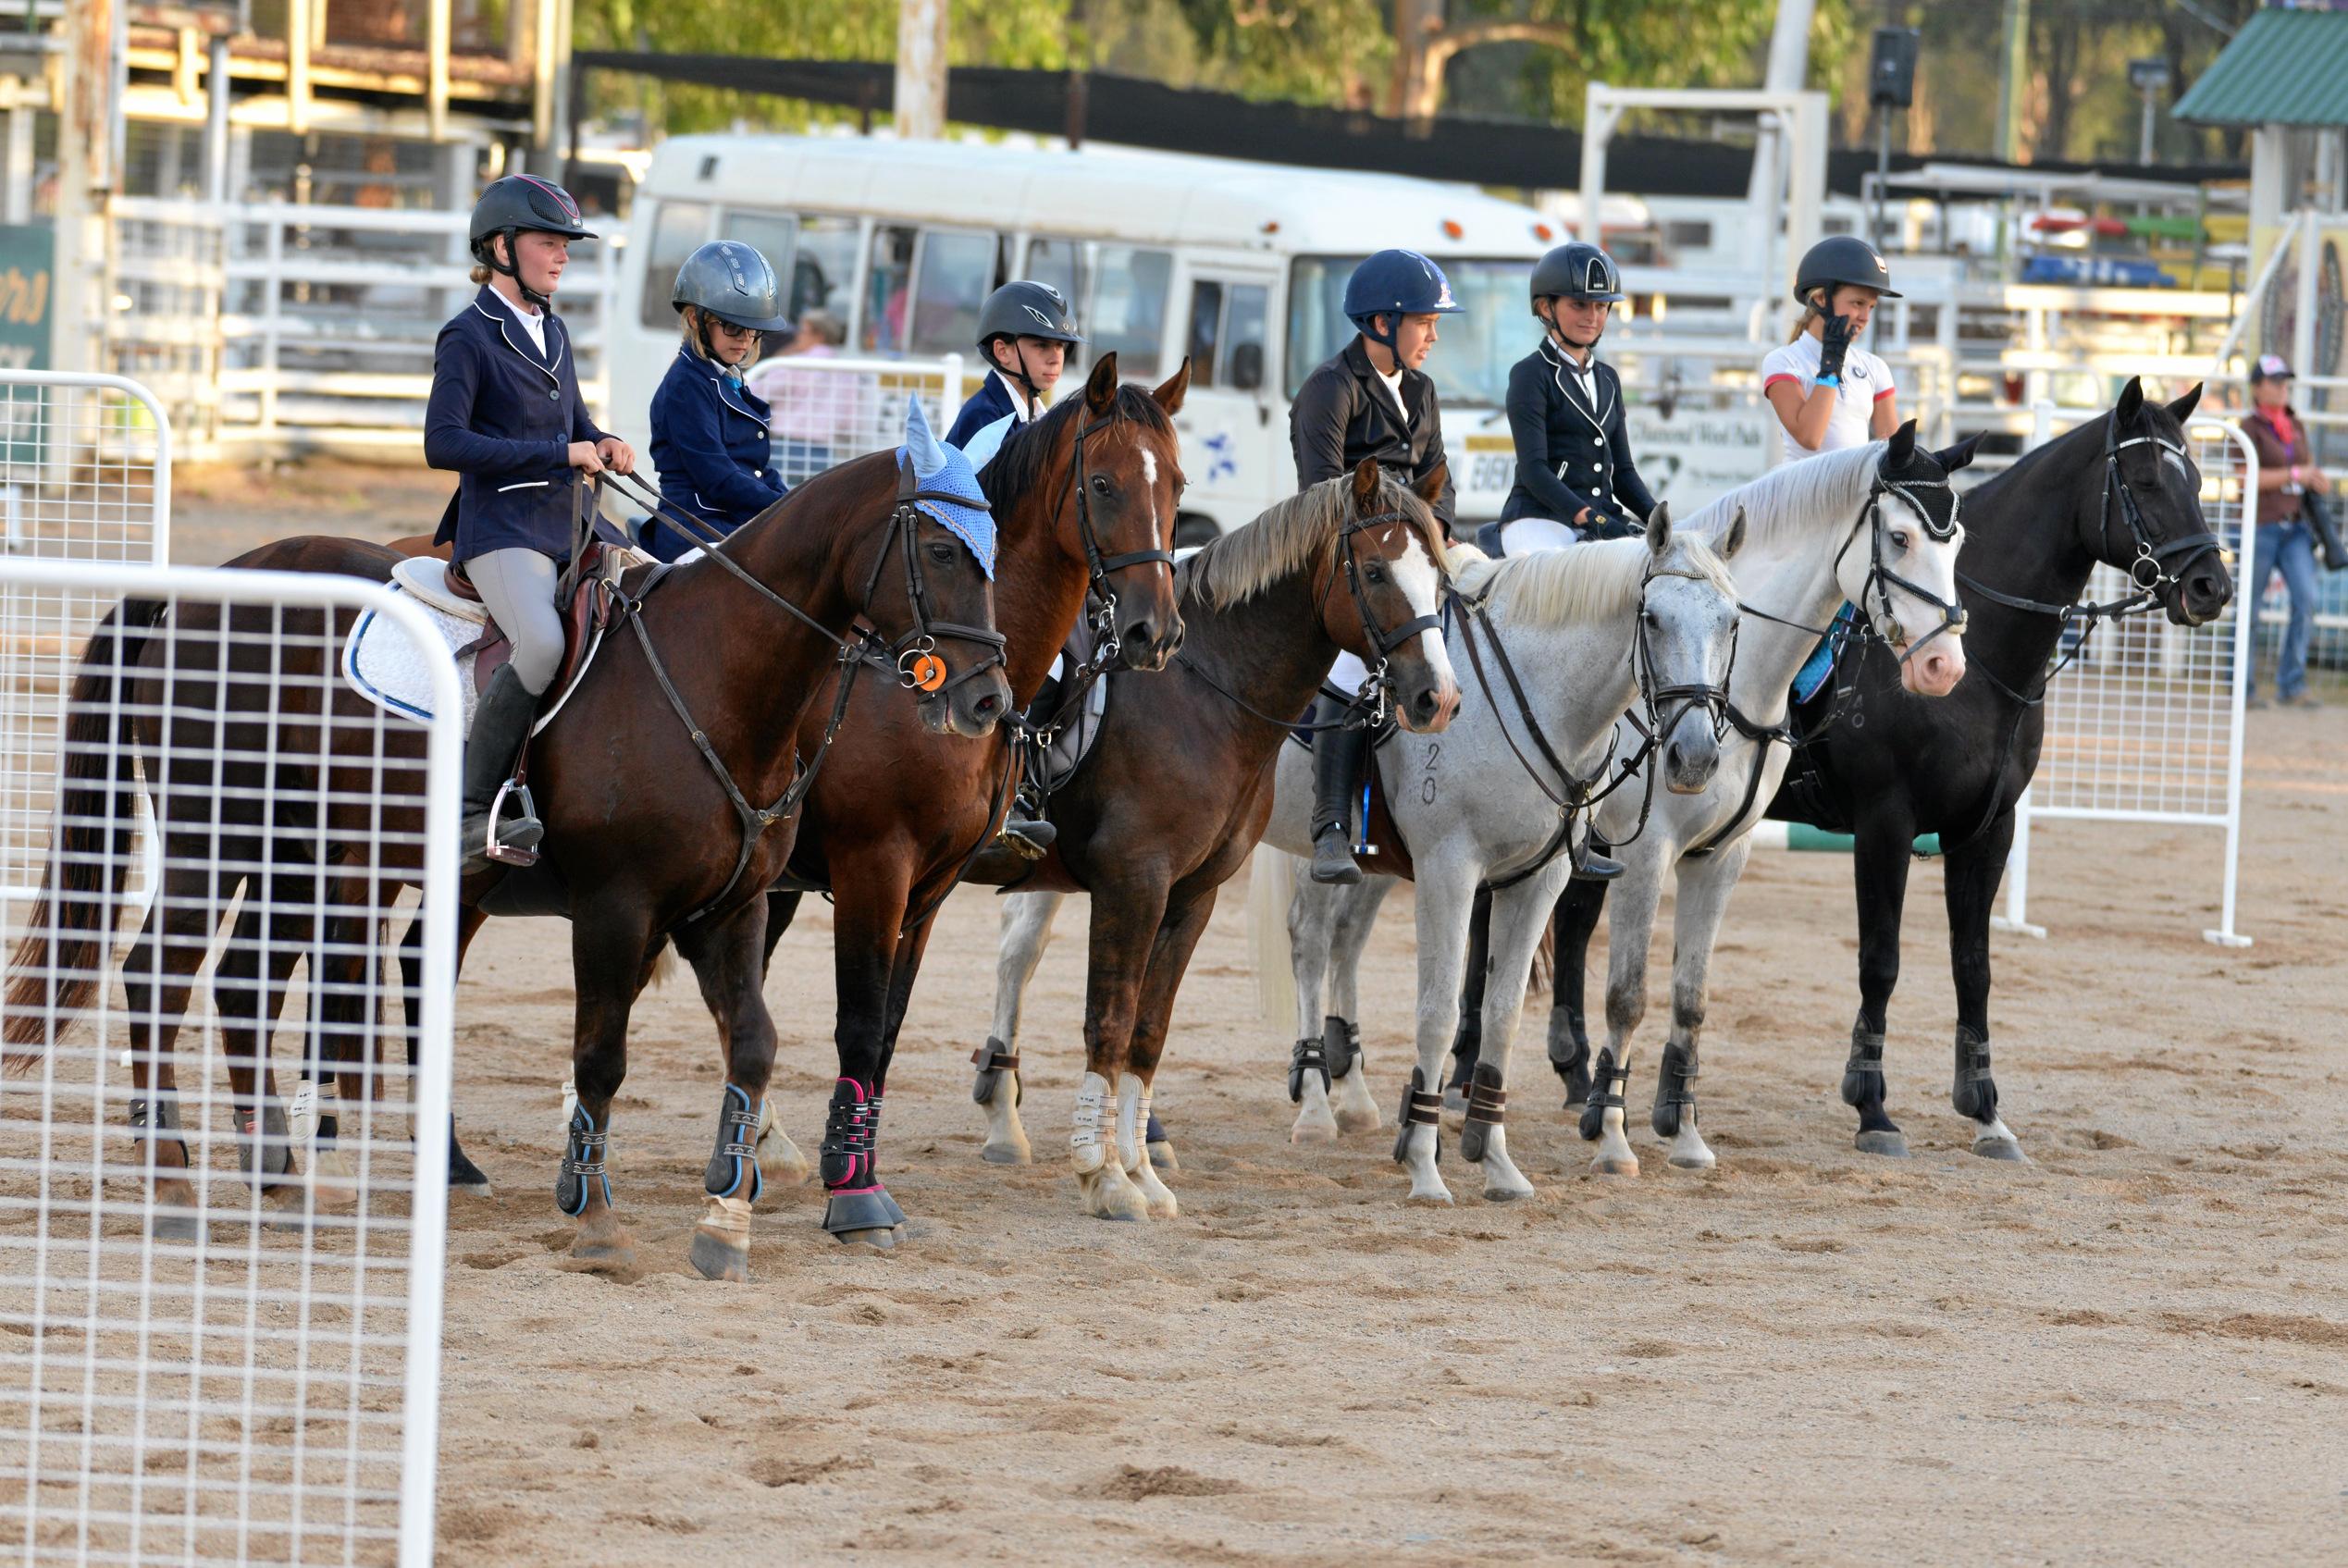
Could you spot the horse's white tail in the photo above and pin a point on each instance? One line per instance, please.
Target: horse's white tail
(1271, 886)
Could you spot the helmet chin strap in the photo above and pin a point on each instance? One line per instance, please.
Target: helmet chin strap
(1017, 372)
(512, 237)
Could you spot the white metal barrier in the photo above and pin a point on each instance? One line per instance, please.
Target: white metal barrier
(829, 408)
(220, 1327)
(2147, 725)
(85, 475)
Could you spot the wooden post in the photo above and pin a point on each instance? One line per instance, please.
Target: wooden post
(436, 81)
(921, 69)
(86, 173)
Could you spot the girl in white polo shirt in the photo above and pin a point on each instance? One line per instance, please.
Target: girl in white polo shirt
(1827, 392)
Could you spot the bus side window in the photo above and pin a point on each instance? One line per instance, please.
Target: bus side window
(822, 266)
(677, 227)
(1127, 317)
(1206, 330)
(958, 273)
(889, 290)
(1245, 329)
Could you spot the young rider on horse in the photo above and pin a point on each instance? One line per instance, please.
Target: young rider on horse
(1574, 477)
(1828, 393)
(710, 439)
(1025, 331)
(506, 412)
(1371, 399)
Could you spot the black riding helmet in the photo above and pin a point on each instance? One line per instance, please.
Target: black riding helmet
(1839, 259)
(517, 203)
(732, 282)
(1024, 308)
(1577, 271)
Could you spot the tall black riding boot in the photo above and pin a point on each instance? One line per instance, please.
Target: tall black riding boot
(500, 728)
(1339, 758)
(1022, 829)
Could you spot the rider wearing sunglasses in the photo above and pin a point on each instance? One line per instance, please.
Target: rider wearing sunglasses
(711, 436)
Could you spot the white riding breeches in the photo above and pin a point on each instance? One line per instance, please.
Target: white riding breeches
(1526, 535)
(1348, 674)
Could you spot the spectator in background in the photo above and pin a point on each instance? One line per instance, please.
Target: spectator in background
(820, 416)
(2287, 475)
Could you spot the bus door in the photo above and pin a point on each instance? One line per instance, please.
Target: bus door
(1234, 434)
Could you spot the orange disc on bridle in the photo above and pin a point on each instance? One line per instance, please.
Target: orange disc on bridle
(928, 673)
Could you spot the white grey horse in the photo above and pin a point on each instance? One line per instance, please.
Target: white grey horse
(1875, 526)
(1570, 640)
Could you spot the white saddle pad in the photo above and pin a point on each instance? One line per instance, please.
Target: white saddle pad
(384, 664)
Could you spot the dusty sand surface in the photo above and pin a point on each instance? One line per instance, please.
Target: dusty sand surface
(2134, 1350)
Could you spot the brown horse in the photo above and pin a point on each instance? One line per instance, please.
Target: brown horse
(1084, 499)
(1179, 785)
(842, 570)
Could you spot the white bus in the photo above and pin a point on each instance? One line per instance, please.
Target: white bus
(1240, 265)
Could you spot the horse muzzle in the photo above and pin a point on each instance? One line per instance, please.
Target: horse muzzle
(1151, 640)
(1692, 754)
(2201, 594)
(971, 709)
(1934, 667)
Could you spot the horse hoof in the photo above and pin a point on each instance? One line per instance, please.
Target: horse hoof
(1308, 1132)
(2005, 1149)
(1109, 1194)
(1506, 1195)
(1161, 1155)
(721, 1257)
(464, 1176)
(879, 1237)
(284, 1216)
(1890, 1142)
(176, 1226)
(1007, 1153)
(1614, 1165)
(1432, 1195)
(603, 1243)
(1693, 1159)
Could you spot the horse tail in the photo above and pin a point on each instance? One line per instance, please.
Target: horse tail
(1271, 887)
(60, 961)
(1544, 962)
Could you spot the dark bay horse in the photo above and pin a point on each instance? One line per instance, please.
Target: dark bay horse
(1179, 784)
(643, 845)
(1084, 499)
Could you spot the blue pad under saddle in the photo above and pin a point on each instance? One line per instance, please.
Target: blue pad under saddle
(1811, 677)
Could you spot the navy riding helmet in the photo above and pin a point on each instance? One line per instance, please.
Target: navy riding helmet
(1394, 284)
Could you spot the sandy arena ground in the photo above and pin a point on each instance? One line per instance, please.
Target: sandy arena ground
(2133, 1350)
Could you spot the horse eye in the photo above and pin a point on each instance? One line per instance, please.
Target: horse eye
(941, 554)
(1651, 618)
(1900, 538)
(1100, 485)
(1374, 574)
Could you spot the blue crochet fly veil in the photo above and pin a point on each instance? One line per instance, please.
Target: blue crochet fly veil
(938, 467)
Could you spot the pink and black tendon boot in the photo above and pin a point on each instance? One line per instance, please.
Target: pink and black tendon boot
(873, 1145)
(858, 1208)
(583, 1164)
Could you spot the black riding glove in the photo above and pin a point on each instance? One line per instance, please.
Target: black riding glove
(1833, 345)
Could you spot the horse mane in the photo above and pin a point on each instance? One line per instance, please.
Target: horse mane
(1019, 465)
(1790, 503)
(1566, 587)
(1292, 535)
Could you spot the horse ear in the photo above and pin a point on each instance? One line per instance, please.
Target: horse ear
(1100, 387)
(1175, 387)
(1903, 447)
(1659, 528)
(1429, 488)
(1958, 456)
(2183, 407)
(1727, 549)
(1365, 484)
(2132, 399)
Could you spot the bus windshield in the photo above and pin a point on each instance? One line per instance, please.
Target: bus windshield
(1472, 351)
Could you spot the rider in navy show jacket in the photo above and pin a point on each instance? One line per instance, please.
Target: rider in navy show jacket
(989, 404)
(712, 446)
(504, 418)
(1569, 455)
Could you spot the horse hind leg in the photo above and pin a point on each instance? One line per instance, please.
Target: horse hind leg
(1169, 960)
(267, 940)
(730, 964)
(1704, 887)
(1632, 920)
(1518, 916)
(996, 1085)
(159, 974)
(1579, 909)
(1349, 1091)
(1973, 870)
(1315, 912)
(1467, 1045)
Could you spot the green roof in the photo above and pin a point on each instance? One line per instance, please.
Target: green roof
(2284, 68)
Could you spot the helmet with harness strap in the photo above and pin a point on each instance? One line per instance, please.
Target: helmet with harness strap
(1577, 271)
(1027, 309)
(522, 203)
(1840, 259)
(1394, 284)
(732, 282)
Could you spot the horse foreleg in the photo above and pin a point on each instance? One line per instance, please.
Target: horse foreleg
(1974, 871)
(1349, 1091)
(272, 932)
(157, 975)
(1446, 902)
(608, 953)
(1314, 912)
(1126, 916)
(1517, 918)
(1467, 1046)
(996, 1086)
(1630, 923)
(729, 960)
(1186, 918)
(1879, 877)
(1579, 909)
(464, 1175)
(872, 891)
(1704, 885)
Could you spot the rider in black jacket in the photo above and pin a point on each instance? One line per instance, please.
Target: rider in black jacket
(1370, 400)
(1574, 464)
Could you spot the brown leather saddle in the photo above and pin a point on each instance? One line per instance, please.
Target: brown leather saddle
(1382, 849)
(589, 609)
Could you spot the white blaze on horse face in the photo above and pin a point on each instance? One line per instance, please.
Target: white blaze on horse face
(1422, 586)
(1149, 482)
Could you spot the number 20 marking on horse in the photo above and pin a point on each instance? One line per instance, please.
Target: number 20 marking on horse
(1427, 781)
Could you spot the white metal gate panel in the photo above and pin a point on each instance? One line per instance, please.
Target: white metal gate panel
(828, 409)
(2147, 726)
(85, 475)
(220, 1323)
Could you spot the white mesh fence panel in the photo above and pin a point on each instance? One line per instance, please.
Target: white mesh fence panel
(224, 1111)
(828, 409)
(85, 475)
(2146, 725)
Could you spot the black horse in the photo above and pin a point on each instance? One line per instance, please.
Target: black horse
(2122, 490)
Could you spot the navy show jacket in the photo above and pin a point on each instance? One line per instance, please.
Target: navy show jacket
(503, 418)
(1570, 455)
(711, 444)
(986, 405)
